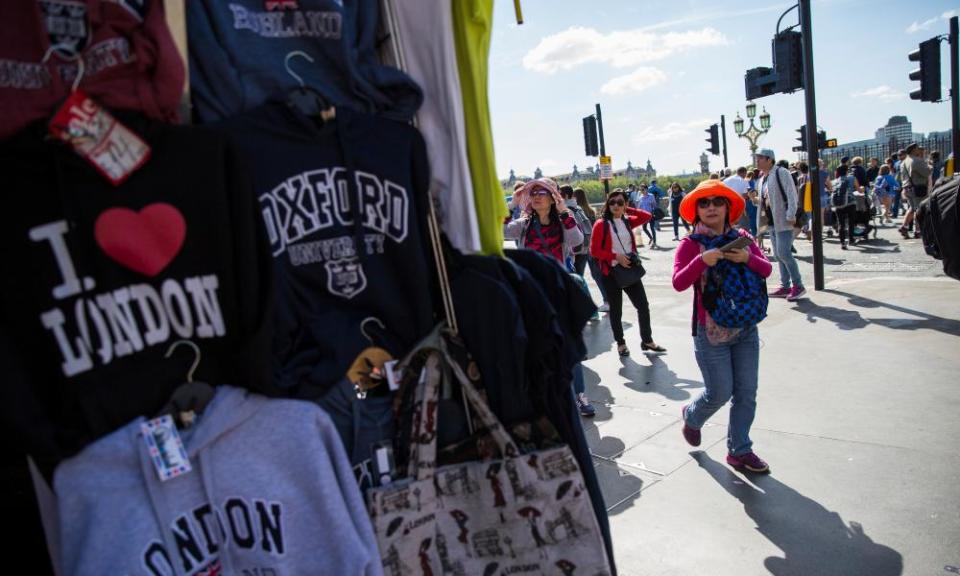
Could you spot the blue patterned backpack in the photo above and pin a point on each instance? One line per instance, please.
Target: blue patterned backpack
(734, 295)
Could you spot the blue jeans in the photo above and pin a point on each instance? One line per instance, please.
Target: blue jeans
(579, 385)
(597, 276)
(729, 373)
(789, 271)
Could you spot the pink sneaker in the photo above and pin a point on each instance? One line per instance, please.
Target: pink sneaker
(781, 293)
(796, 294)
(691, 435)
(748, 462)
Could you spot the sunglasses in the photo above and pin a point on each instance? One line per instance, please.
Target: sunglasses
(539, 192)
(616, 203)
(716, 201)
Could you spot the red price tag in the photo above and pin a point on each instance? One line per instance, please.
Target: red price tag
(112, 148)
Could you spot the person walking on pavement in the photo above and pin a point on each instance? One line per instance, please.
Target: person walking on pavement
(659, 194)
(613, 244)
(915, 173)
(885, 187)
(728, 358)
(548, 227)
(581, 195)
(778, 193)
(676, 195)
(845, 208)
(648, 202)
(898, 165)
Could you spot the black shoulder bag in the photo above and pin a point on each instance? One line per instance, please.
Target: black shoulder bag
(625, 277)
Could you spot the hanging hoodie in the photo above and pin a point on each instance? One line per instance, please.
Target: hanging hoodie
(253, 503)
(239, 53)
(129, 58)
(344, 205)
(97, 281)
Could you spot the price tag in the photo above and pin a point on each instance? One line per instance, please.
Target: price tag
(165, 447)
(112, 148)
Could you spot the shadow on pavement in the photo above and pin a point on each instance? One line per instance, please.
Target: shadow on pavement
(656, 378)
(600, 396)
(809, 260)
(852, 320)
(814, 540)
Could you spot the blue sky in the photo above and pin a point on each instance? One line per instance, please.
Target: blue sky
(663, 72)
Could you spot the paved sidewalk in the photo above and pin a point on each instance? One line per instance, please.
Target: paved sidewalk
(857, 414)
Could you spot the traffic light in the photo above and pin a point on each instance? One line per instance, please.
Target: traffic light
(714, 139)
(590, 136)
(803, 140)
(759, 82)
(788, 61)
(821, 139)
(928, 55)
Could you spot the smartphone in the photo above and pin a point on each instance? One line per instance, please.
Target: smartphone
(741, 242)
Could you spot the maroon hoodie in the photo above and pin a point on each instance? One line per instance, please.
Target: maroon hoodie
(130, 60)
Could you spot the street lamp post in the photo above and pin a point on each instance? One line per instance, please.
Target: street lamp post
(752, 134)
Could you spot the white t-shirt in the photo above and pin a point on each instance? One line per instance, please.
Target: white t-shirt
(736, 183)
(625, 243)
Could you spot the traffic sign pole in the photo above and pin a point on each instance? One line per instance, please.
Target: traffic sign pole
(723, 130)
(603, 148)
(813, 156)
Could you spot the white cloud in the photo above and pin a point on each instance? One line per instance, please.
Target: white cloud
(926, 24)
(883, 93)
(669, 131)
(578, 45)
(637, 81)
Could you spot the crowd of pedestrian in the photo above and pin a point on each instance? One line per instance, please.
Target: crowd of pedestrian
(769, 201)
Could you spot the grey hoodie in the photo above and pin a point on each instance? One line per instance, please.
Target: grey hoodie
(782, 211)
(271, 493)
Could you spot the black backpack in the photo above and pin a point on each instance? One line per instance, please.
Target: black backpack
(939, 221)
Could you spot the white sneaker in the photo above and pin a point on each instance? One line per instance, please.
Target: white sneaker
(604, 307)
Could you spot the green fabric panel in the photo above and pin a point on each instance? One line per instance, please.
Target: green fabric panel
(472, 21)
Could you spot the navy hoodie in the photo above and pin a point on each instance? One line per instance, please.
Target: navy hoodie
(97, 281)
(238, 51)
(338, 260)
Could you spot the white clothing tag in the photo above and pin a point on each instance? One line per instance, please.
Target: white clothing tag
(166, 448)
(393, 376)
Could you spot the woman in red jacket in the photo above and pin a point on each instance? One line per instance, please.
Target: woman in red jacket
(613, 244)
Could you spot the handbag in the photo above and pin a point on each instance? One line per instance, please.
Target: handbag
(658, 213)
(626, 277)
(510, 513)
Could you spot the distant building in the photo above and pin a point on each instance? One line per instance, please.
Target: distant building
(897, 133)
(704, 163)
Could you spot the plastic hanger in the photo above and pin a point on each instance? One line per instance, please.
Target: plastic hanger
(305, 99)
(190, 398)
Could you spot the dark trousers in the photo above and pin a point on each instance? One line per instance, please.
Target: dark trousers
(580, 263)
(895, 206)
(651, 231)
(637, 296)
(846, 217)
(675, 215)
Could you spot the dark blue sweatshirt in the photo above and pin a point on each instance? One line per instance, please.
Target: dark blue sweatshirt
(339, 260)
(238, 50)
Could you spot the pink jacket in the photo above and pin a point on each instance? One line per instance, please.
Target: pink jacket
(688, 267)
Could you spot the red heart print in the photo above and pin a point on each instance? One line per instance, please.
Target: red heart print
(145, 241)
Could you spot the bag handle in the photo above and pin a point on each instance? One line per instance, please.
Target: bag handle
(423, 459)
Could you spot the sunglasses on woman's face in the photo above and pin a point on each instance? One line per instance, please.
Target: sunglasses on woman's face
(716, 201)
(541, 192)
(616, 202)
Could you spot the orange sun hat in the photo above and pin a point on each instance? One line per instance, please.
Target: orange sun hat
(709, 189)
